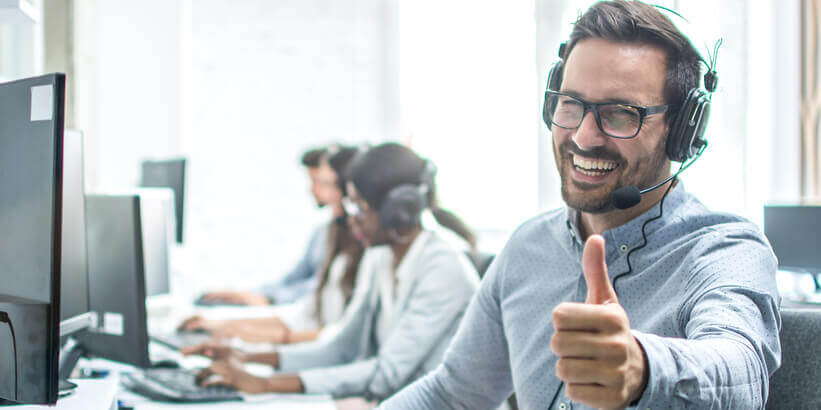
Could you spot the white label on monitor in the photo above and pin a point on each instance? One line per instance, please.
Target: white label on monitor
(113, 323)
(93, 321)
(42, 102)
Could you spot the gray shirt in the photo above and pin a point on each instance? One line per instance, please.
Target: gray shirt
(701, 300)
(301, 280)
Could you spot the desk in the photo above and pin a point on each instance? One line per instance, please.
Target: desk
(96, 394)
(166, 315)
(101, 393)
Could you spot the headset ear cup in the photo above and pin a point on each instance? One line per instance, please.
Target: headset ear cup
(401, 208)
(685, 137)
(554, 82)
(554, 77)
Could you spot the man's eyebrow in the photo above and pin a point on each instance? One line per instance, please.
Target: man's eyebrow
(608, 100)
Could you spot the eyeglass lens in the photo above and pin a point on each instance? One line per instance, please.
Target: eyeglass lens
(616, 120)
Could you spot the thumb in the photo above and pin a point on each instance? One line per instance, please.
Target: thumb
(599, 290)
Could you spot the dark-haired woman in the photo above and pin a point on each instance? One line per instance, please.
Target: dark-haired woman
(304, 319)
(418, 287)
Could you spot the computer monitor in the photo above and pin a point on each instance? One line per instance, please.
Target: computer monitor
(31, 139)
(116, 271)
(169, 173)
(156, 217)
(794, 231)
(74, 314)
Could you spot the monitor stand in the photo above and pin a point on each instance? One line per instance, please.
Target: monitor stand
(65, 388)
(70, 354)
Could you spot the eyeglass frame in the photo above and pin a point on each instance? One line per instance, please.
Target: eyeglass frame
(644, 111)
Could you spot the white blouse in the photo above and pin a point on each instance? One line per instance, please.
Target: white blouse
(301, 315)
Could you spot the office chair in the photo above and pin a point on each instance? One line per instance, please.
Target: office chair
(795, 384)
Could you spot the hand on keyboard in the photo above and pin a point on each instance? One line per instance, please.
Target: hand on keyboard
(232, 298)
(215, 351)
(231, 373)
(200, 324)
(178, 385)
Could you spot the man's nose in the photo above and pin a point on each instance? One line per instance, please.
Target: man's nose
(588, 135)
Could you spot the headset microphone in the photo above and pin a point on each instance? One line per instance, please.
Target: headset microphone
(630, 196)
(626, 197)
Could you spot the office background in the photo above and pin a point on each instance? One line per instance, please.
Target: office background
(241, 88)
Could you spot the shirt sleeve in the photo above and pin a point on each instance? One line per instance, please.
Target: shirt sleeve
(428, 321)
(475, 373)
(731, 324)
(301, 280)
(338, 344)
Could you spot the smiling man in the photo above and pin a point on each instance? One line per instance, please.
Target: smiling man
(657, 302)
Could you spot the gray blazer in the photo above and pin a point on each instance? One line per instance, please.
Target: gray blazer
(435, 283)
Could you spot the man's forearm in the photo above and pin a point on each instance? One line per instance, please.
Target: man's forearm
(707, 373)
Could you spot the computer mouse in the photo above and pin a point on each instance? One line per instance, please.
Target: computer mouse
(165, 364)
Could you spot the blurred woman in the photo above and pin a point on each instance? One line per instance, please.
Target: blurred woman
(304, 320)
(417, 287)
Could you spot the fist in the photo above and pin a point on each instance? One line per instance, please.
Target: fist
(599, 360)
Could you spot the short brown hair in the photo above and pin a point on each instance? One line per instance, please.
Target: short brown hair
(312, 157)
(634, 21)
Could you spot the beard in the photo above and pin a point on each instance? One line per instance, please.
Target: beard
(645, 172)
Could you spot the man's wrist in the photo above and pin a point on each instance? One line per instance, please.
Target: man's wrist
(645, 377)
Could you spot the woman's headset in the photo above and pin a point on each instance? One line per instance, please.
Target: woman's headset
(403, 204)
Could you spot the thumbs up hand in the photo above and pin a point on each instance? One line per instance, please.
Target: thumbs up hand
(599, 360)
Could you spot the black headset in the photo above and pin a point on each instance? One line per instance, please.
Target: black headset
(687, 130)
(403, 204)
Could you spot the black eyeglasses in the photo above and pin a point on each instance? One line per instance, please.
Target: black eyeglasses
(615, 120)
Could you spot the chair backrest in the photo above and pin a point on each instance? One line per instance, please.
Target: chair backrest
(481, 261)
(797, 383)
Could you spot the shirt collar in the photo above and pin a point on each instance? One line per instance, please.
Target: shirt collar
(628, 235)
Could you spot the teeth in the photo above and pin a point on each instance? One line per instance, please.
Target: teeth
(593, 164)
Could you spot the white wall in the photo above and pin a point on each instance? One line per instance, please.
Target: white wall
(269, 79)
(240, 88)
(469, 100)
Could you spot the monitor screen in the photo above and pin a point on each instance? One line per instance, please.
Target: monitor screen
(116, 273)
(168, 173)
(74, 286)
(31, 138)
(794, 233)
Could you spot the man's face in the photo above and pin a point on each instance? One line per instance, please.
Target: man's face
(323, 185)
(363, 220)
(591, 164)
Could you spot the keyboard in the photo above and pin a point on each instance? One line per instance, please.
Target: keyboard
(177, 385)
